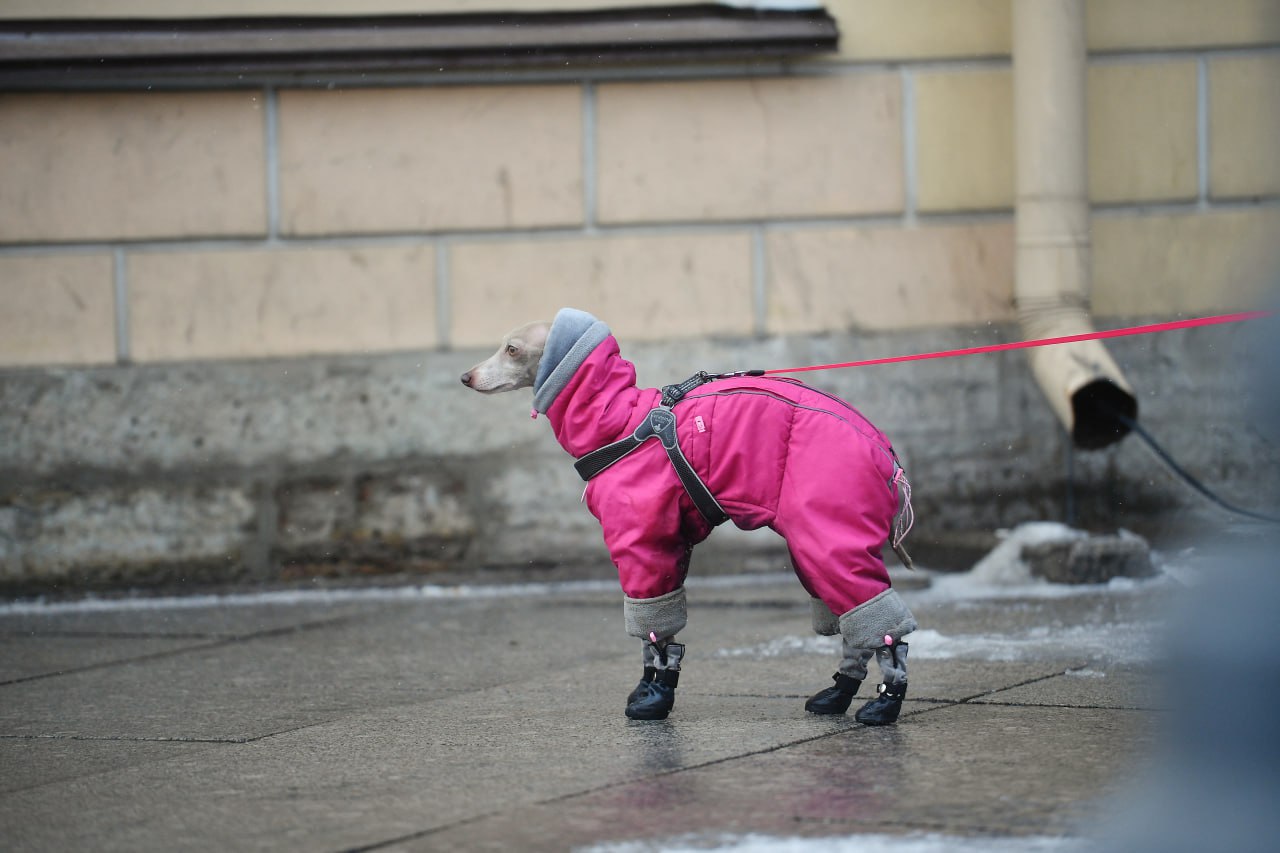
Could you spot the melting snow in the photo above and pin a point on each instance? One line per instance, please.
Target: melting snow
(914, 843)
(1132, 642)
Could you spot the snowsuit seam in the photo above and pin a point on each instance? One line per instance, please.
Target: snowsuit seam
(792, 403)
(711, 448)
(871, 437)
(786, 459)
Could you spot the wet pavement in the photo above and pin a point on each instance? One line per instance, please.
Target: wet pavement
(490, 718)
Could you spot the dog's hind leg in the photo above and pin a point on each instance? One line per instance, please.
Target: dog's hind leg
(884, 709)
(848, 678)
(879, 625)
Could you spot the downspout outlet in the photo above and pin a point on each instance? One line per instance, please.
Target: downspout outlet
(1082, 383)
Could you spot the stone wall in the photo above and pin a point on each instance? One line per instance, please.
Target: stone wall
(233, 318)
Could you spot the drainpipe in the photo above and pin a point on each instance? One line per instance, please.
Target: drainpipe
(1084, 386)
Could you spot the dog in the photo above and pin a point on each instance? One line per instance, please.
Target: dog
(757, 450)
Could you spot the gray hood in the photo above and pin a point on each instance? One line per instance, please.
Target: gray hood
(574, 335)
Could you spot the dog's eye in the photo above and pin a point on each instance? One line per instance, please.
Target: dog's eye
(512, 349)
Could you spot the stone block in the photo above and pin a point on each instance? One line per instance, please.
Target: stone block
(374, 522)
(1244, 124)
(1090, 559)
(9, 541)
(1113, 25)
(747, 149)
(543, 531)
(1142, 131)
(922, 29)
(313, 512)
(105, 166)
(836, 279)
(127, 535)
(253, 303)
(58, 309)
(1165, 264)
(964, 139)
(645, 287)
(430, 158)
(411, 507)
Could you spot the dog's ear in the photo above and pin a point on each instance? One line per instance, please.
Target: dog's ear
(535, 336)
(531, 340)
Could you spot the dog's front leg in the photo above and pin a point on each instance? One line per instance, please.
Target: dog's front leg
(655, 695)
(656, 621)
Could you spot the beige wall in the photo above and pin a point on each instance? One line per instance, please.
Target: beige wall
(869, 191)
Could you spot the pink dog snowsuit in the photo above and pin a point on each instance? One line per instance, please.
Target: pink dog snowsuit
(773, 452)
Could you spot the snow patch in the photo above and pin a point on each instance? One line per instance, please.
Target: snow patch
(785, 646)
(1004, 564)
(1131, 642)
(1003, 574)
(872, 843)
(1127, 642)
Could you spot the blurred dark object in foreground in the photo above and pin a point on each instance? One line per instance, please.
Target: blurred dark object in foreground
(1215, 781)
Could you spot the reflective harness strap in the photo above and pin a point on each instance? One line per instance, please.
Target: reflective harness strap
(659, 423)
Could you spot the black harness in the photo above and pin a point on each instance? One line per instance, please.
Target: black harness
(660, 423)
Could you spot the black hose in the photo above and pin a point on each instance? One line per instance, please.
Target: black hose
(1185, 475)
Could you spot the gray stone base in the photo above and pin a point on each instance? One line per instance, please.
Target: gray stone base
(274, 470)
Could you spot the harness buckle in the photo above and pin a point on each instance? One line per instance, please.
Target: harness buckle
(660, 422)
(672, 394)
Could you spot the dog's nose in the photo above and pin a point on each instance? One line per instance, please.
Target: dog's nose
(466, 379)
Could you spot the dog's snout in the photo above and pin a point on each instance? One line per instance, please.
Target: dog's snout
(466, 379)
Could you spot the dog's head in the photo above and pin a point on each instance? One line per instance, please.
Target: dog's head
(514, 365)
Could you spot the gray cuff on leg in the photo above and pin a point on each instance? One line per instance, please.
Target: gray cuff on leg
(853, 662)
(664, 615)
(825, 623)
(865, 626)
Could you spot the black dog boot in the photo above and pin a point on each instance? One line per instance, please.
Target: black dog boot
(885, 708)
(835, 699)
(654, 699)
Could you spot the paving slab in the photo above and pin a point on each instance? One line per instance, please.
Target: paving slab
(185, 617)
(1116, 686)
(23, 658)
(32, 762)
(494, 720)
(375, 777)
(248, 688)
(959, 769)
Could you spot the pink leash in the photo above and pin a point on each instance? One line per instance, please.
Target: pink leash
(1042, 342)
